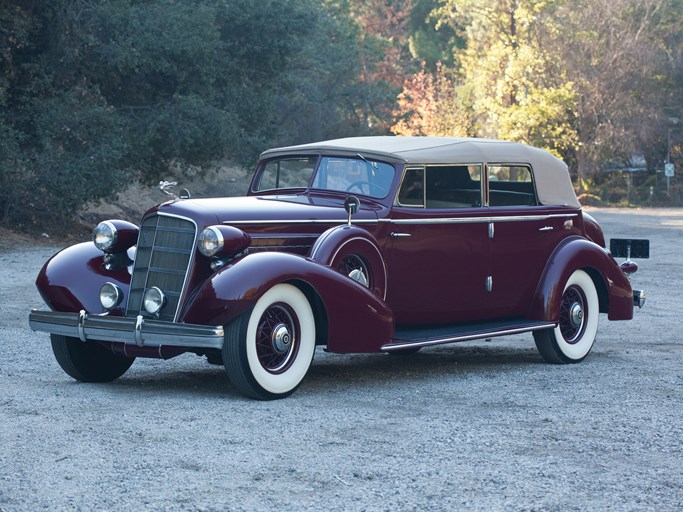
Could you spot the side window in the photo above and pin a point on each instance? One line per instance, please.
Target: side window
(412, 188)
(510, 185)
(453, 186)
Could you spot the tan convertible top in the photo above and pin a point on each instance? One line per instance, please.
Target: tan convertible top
(553, 184)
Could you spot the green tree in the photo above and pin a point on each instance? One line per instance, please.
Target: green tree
(94, 94)
(513, 82)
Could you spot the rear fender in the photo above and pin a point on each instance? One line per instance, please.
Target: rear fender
(614, 289)
(71, 280)
(357, 320)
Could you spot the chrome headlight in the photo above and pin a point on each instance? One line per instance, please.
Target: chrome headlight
(210, 241)
(105, 236)
(115, 236)
(110, 296)
(153, 300)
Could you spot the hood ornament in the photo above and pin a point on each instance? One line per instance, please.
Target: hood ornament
(167, 188)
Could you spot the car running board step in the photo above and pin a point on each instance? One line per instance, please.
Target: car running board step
(416, 337)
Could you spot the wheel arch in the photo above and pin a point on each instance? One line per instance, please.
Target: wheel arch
(319, 310)
(600, 287)
(615, 295)
(353, 318)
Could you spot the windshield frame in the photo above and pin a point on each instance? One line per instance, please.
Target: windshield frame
(320, 158)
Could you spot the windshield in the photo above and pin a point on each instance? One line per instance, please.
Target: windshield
(354, 175)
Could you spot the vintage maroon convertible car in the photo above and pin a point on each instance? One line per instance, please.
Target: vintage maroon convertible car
(361, 245)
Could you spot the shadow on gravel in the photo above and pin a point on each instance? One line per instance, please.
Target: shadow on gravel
(335, 371)
(209, 382)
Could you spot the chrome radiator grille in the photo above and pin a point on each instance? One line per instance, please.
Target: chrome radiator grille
(163, 257)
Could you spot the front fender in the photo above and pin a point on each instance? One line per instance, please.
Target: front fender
(357, 320)
(614, 288)
(71, 280)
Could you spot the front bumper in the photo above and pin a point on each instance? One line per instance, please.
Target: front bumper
(138, 331)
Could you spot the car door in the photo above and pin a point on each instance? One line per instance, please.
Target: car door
(523, 235)
(438, 255)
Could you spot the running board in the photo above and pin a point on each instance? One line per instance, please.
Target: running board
(407, 338)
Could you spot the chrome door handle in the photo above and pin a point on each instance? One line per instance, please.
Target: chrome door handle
(399, 235)
(546, 228)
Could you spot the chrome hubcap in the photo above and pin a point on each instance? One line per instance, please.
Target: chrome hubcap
(277, 338)
(576, 314)
(359, 275)
(354, 267)
(281, 338)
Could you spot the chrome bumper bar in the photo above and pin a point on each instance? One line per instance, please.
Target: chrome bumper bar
(132, 331)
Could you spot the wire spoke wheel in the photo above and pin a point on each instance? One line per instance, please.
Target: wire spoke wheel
(269, 348)
(353, 266)
(573, 312)
(277, 338)
(574, 336)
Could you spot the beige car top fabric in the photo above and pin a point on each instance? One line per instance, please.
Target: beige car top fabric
(553, 184)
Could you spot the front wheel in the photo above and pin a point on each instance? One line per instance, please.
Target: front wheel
(268, 350)
(574, 336)
(88, 361)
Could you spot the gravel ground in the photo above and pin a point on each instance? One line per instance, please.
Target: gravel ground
(475, 426)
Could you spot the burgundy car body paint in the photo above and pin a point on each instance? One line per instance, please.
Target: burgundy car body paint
(480, 240)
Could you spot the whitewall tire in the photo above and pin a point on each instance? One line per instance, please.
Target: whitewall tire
(269, 349)
(573, 338)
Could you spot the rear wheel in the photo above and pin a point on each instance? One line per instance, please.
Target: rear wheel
(574, 336)
(268, 350)
(88, 361)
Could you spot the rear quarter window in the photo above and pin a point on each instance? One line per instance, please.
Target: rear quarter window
(511, 185)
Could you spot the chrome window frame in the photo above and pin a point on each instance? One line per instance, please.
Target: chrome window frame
(424, 186)
(511, 164)
(483, 194)
(258, 175)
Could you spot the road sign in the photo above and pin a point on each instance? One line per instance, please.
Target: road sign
(668, 170)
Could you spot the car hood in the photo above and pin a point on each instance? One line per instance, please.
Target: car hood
(265, 210)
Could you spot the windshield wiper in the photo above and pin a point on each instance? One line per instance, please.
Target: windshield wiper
(372, 164)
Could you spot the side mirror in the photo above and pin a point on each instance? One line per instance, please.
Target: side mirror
(351, 206)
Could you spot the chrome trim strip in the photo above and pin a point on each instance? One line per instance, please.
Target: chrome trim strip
(128, 330)
(278, 237)
(432, 220)
(474, 220)
(302, 221)
(267, 248)
(401, 344)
